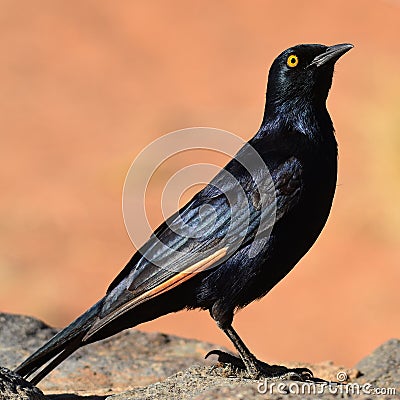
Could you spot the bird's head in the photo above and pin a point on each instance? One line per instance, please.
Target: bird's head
(301, 76)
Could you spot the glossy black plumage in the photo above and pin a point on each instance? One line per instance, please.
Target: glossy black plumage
(252, 232)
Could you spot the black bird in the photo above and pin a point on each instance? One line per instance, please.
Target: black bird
(240, 235)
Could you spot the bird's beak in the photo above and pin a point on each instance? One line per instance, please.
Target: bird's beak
(332, 53)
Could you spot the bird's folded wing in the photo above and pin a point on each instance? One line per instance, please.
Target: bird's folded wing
(200, 236)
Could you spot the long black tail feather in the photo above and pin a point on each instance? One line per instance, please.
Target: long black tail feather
(59, 347)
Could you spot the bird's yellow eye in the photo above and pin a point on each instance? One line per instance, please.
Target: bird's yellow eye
(292, 61)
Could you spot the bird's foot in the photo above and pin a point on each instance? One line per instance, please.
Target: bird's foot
(256, 369)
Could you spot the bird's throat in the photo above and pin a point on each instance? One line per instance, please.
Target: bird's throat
(299, 116)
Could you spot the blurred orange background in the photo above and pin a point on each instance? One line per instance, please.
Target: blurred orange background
(85, 85)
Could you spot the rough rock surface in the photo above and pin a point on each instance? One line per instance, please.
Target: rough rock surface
(127, 360)
(382, 367)
(13, 387)
(135, 365)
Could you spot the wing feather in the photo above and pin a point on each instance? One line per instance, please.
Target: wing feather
(203, 233)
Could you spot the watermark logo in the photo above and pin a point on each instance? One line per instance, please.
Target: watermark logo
(237, 200)
(342, 376)
(319, 388)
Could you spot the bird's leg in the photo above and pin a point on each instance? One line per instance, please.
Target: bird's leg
(254, 367)
(249, 360)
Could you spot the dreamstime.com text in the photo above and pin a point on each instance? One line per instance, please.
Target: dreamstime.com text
(310, 388)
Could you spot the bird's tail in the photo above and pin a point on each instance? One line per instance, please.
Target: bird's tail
(59, 347)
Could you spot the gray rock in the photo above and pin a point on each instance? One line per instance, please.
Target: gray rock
(13, 387)
(155, 366)
(20, 336)
(382, 367)
(205, 383)
(129, 359)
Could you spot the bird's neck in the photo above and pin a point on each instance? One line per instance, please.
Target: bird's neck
(307, 117)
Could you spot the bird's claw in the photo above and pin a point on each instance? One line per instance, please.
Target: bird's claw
(293, 374)
(262, 369)
(226, 358)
